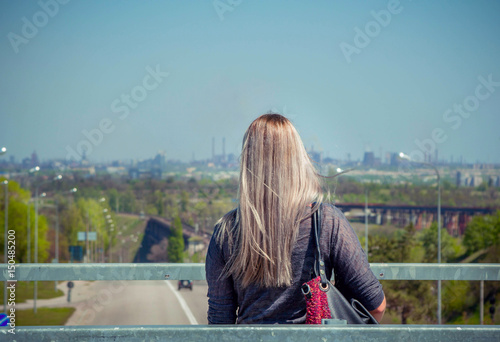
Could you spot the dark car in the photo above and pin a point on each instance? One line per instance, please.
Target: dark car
(188, 284)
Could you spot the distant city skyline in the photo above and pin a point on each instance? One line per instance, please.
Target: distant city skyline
(122, 82)
(368, 158)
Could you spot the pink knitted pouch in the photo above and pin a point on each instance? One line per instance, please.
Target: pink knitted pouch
(316, 301)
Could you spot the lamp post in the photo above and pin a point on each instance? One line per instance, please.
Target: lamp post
(28, 221)
(88, 247)
(28, 227)
(111, 230)
(58, 177)
(340, 172)
(6, 216)
(3, 150)
(366, 223)
(110, 225)
(57, 231)
(96, 244)
(406, 157)
(43, 194)
(72, 191)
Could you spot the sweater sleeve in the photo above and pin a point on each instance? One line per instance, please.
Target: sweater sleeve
(353, 276)
(222, 300)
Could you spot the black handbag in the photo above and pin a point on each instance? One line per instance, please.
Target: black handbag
(325, 304)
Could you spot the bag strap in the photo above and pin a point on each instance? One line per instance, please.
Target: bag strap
(319, 264)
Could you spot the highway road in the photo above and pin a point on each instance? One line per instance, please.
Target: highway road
(140, 303)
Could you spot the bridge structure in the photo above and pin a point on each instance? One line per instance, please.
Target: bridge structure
(455, 219)
(158, 230)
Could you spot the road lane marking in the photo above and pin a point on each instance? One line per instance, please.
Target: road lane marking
(183, 304)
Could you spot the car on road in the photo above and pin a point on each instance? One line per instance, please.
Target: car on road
(188, 284)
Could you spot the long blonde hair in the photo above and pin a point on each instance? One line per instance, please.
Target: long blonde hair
(277, 182)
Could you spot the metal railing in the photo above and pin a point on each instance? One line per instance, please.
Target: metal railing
(162, 271)
(390, 333)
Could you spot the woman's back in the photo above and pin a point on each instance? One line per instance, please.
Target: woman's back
(261, 252)
(230, 302)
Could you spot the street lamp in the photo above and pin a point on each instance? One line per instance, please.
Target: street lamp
(28, 223)
(56, 258)
(366, 223)
(406, 157)
(107, 221)
(56, 178)
(110, 233)
(341, 171)
(72, 191)
(3, 150)
(6, 216)
(28, 228)
(101, 200)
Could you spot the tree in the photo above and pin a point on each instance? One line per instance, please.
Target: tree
(158, 202)
(450, 247)
(17, 221)
(171, 208)
(200, 210)
(114, 199)
(128, 202)
(93, 217)
(175, 249)
(408, 298)
(71, 222)
(483, 232)
(184, 201)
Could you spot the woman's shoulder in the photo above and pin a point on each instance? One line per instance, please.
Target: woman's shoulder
(333, 215)
(330, 209)
(225, 225)
(229, 219)
(222, 237)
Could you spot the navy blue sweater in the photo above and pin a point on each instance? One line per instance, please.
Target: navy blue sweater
(229, 302)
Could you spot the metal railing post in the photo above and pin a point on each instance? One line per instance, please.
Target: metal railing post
(481, 303)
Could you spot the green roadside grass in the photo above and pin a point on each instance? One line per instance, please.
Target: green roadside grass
(44, 316)
(25, 290)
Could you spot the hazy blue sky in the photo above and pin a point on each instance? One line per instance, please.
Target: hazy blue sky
(65, 72)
